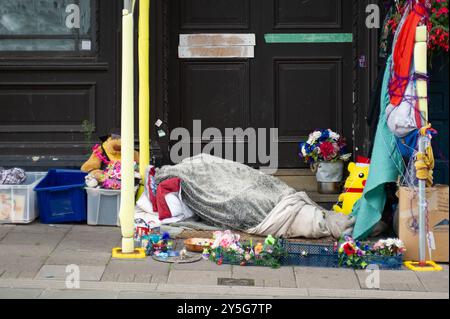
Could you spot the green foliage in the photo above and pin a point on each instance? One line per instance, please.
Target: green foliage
(87, 128)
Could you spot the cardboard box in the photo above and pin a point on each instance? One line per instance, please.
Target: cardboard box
(438, 217)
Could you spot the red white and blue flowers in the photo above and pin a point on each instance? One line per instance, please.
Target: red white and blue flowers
(354, 254)
(324, 145)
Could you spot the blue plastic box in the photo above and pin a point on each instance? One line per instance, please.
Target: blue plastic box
(309, 255)
(61, 197)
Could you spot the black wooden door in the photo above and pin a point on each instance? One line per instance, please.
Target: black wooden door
(54, 77)
(300, 77)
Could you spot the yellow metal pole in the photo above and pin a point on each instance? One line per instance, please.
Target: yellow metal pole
(144, 88)
(127, 201)
(420, 66)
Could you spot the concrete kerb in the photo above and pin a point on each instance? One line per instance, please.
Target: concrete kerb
(229, 291)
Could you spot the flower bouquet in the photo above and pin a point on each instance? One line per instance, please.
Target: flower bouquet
(351, 253)
(325, 151)
(228, 249)
(385, 253)
(324, 145)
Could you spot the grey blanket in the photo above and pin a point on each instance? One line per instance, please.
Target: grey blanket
(224, 193)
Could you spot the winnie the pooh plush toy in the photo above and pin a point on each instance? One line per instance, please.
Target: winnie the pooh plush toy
(103, 165)
(354, 185)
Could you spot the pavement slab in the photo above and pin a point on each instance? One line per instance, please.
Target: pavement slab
(147, 270)
(21, 263)
(29, 244)
(78, 294)
(202, 265)
(435, 281)
(373, 294)
(11, 293)
(394, 280)
(90, 241)
(38, 228)
(5, 229)
(267, 277)
(61, 256)
(18, 274)
(155, 295)
(61, 272)
(15, 251)
(315, 277)
(204, 277)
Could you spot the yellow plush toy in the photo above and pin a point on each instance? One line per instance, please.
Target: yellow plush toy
(354, 185)
(104, 154)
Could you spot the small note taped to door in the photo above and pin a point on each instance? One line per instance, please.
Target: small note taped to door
(86, 45)
(161, 133)
(431, 241)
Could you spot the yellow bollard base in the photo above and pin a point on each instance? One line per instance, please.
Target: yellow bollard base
(138, 253)
(429, 266)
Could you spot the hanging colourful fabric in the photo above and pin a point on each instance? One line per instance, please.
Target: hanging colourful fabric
(403, 53)
(403, 115)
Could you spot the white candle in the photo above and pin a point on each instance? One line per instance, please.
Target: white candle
(420, 65)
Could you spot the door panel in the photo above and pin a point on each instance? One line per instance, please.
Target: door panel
(215, 92)
(38, 106)
(308, 14)
(214, 14)
(307, 96)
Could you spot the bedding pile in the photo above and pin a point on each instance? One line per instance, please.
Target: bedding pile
(230, 195)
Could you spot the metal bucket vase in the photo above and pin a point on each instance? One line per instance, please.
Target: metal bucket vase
(329, 176)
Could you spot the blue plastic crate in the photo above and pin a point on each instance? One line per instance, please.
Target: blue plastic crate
(385, 262)
(309, 255)
(61, 197)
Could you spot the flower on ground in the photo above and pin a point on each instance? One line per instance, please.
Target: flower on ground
(348, 249)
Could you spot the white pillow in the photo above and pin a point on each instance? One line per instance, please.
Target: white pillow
(178, 208)
(145, 204)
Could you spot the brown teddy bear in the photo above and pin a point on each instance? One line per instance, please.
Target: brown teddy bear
(104, 156)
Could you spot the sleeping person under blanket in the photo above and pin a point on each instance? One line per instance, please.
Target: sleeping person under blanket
(229, 195)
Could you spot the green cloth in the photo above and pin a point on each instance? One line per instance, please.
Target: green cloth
(385, 166)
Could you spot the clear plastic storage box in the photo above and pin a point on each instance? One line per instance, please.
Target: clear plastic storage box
(18, 203)
(103, 206)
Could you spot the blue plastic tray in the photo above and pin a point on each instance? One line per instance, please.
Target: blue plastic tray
(309, 255)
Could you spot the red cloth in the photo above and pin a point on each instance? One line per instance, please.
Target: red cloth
(171, 185)
(149, 189)
(362, 159)
(403, 53)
